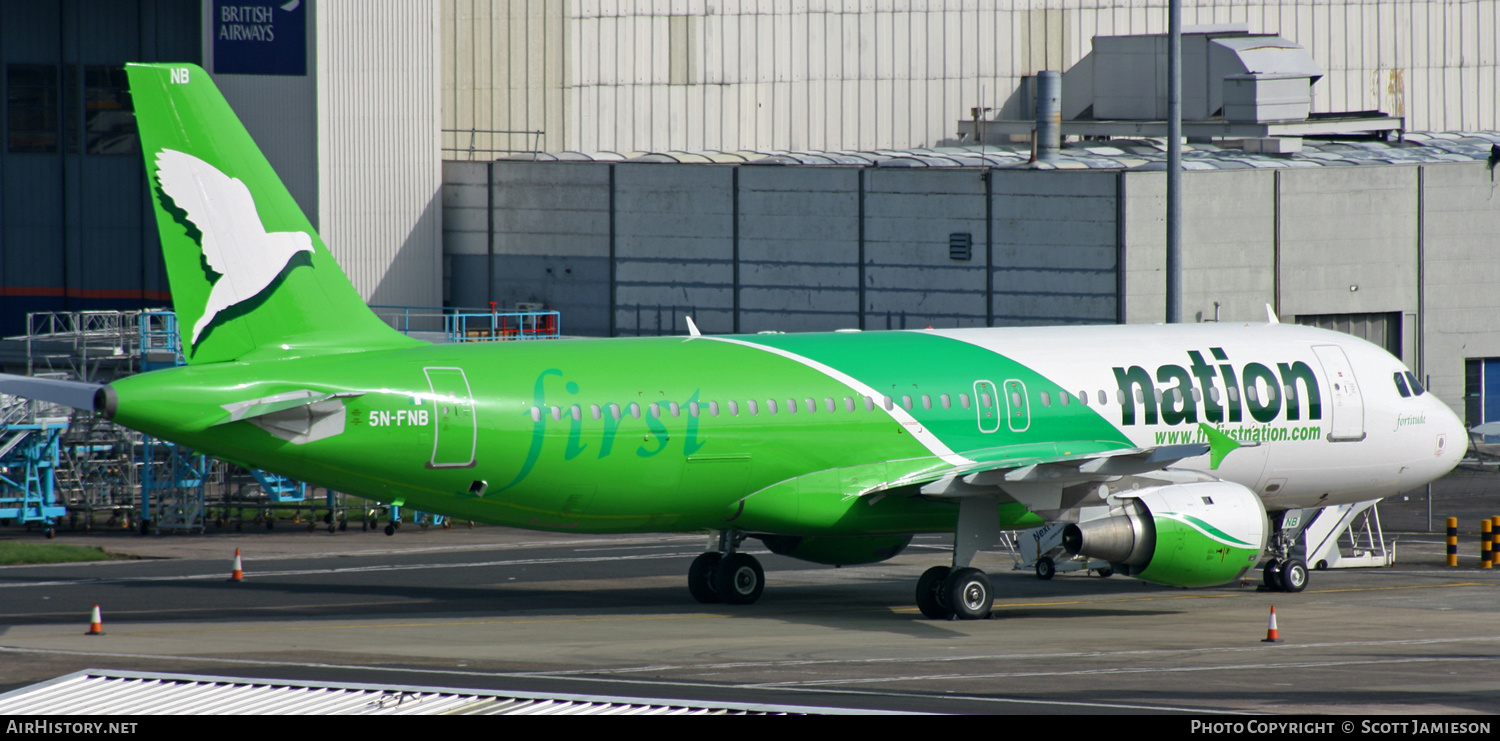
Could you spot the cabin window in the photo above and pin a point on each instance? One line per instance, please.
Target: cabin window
(1213, 393)
(791, 406)
(1176, 396)
(752, 408)
(1197, 395)
(963, 400)
(812, 404)
(595, 412)
(556, 414)
(713, 408)
(889, 403)
(1063, 398)
(1015, 399)
(946, 401)
(869, 404)
(734, 408)
(771, 405)
(614, 411)
(848, 404)
(926, 401)
(906, 402)
(1083, 398)
(536, 414)
(635, 410)
(831, 404)
(1251, 395)
(577, 413)
(984, 400)
(1234, 393)
(1046, 399)
(673, 408)
(655, 410)
(693, 408)
(1104, 398)
(1158, 394)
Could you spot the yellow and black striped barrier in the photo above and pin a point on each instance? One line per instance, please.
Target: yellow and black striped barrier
(1486, 544)
(1452, 541)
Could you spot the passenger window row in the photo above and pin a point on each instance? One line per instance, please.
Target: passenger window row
(829, 404)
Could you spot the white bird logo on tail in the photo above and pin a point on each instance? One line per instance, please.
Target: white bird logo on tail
(235, 242)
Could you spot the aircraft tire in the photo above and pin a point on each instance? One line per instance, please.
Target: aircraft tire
(701, 578)
(740, 579)
(970, 594)
(1045, 568)
(390, 529)
(1271, 575)
(930, 597)
(1293, 576)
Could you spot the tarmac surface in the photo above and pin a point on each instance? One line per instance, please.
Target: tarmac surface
(497, 608)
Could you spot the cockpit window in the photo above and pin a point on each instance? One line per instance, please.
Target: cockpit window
(1401, 385)
(1416, 388)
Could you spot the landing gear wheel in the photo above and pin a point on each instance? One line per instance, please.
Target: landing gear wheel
(1271, 575)
(740, 579)
(1293, 576)
(969, 594)
(1045, 568)
(930, 597)
(1105, 572)
(390, 529)
(701, 578)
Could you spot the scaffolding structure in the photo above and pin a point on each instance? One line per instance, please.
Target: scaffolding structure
(56, 462)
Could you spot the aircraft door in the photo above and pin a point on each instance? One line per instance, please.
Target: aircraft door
(1017, 407)
(1348, 407)
(987, 403)
(455, 431)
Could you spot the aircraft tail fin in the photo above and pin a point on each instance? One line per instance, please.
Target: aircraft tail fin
(250, 277)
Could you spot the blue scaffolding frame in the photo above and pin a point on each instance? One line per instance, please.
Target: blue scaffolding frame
(28, 466)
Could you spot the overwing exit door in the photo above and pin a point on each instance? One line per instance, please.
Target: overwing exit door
(455, 432)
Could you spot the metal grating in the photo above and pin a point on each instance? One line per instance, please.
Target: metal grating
(107, 692)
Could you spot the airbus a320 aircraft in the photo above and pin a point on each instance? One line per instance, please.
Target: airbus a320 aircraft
(1165, 447)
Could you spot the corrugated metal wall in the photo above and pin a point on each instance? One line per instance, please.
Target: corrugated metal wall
(379, 173)
(76, 231)
(624, 75)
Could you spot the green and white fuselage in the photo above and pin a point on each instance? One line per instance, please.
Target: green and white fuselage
(1164, 446)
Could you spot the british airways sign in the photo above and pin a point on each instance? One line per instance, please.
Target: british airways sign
(260, 37)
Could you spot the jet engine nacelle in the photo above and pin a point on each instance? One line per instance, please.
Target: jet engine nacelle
(1181, 535)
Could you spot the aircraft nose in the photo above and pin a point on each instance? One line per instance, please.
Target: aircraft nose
(1453, 438)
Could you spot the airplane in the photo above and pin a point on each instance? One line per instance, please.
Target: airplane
(1174, 452)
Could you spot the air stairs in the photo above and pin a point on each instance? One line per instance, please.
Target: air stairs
(1346, 536)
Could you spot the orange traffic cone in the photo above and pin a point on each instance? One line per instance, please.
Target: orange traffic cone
(1272, 636)
(96, 624)
(239, 572)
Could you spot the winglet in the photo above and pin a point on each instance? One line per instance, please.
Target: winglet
(1219, 445)
(1271, 315)
(693, 328)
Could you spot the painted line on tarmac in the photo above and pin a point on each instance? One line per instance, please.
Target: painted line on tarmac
(781, 663)
(1125, 670)
(252, 574)
(630, 681)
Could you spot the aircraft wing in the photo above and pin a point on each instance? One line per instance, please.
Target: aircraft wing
(1058, 471)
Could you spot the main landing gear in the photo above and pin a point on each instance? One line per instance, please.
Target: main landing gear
(726, 575)
(960, 591)
(1284, 571)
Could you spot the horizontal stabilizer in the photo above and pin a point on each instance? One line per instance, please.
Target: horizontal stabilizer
(76, 394)
(249, 409)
